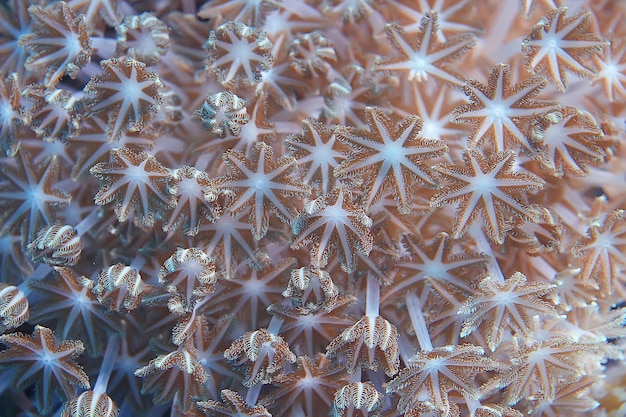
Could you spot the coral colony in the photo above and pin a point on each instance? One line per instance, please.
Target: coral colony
(312, 208)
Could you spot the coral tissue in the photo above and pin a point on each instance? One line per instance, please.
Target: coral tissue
(313, 207)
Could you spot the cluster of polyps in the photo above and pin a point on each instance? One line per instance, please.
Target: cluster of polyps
(307, 207)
